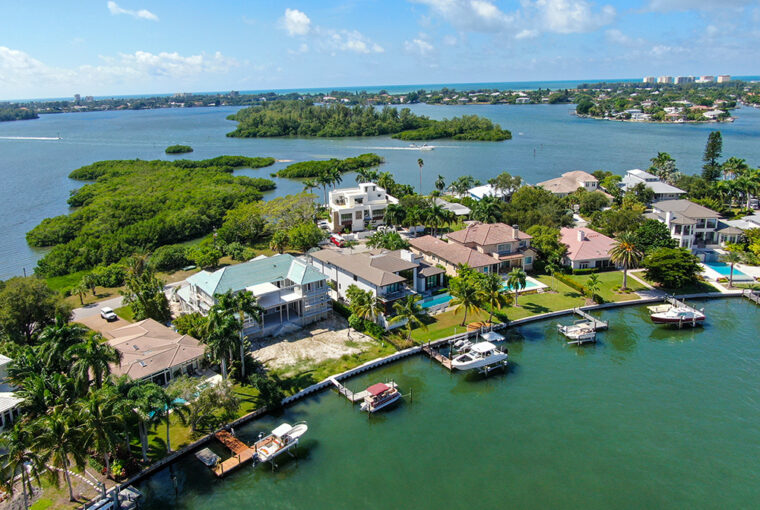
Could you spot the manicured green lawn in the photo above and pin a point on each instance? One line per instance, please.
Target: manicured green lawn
(561, 297)
(445, 324)
(125, 312)
(694, 288)
(608, 281)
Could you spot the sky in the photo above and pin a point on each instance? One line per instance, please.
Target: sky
(56, 48)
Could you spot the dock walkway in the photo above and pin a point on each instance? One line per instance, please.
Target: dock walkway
(242, 453)
(354, 397)
(595, 323)
(437, 356)
(751, 295)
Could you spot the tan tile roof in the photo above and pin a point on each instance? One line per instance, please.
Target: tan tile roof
(378, 270)
(453, 253)
(488, 233)
(593, 246)
(148, 347)
(567, 182)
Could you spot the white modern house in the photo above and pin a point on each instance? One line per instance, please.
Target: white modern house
(291, 292)
(692, 225)
(353, 208)
(9, 402)
(662, 190)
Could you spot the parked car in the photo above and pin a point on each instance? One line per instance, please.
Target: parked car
(108, 314)
(323, 225)
(337, 240)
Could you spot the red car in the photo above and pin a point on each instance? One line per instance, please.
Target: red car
(337, 240)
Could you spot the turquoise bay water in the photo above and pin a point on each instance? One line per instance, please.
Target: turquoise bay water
(649, 417)
(547, 141)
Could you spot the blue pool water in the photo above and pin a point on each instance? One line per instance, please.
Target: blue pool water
(435, 300)
(725, 269)
(528, 285)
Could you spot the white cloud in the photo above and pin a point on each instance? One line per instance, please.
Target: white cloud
(526, 34)
(419, 46)
(138, 14)
(296, 22)
(696, 5)
(616, 36)
(473, 15)
(572, 16)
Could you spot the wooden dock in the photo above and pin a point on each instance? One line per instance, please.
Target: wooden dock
(437, 356)
(241, 453)
(350, 395)
(596, 324)
(751, 295)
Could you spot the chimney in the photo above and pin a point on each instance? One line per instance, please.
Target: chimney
(515, 231)
(581, 235)
(668, 217)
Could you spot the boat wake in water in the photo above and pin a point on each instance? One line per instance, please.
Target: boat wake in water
(30, 137)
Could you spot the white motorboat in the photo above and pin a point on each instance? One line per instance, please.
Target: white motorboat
(282, 439)
(670, 314)
(380, 395)
(423, 147)
(480, 355)
(580, 331)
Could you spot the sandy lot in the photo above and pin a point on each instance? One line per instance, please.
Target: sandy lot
(320, 341)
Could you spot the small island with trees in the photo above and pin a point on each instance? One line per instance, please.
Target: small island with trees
(178, 149)
(306, 119)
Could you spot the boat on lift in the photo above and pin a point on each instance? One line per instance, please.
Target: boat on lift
(675, 314)
(479, 356)
(379, 396)
(581, 331)
(282, 439)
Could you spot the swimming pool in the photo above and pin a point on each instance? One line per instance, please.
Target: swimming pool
(431, 301)
(724, 270)
(529, 285)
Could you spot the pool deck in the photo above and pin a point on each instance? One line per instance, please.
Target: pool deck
(740, 273)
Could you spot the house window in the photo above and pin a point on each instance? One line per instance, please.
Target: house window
(584, 265)
(504, 248)
(345, 217)
(359, 215)
(528, 260)
(431, 281)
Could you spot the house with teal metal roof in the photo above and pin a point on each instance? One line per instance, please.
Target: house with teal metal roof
(291, 292)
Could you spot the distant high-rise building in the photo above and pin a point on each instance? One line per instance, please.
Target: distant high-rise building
(706, 79)
(89, 99)
(77, 98)
(649, 79)
(665, 79)
(234, 93)
(724, 78)
(684, 79)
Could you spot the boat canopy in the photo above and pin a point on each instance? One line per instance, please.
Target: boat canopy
(281, 430)
(378, 389)
(483, 347)
(492, 336)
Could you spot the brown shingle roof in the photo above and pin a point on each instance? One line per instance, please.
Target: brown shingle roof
(148, 347)
(488, 233)
(452, 253)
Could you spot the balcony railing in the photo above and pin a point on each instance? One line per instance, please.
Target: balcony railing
(398, 294)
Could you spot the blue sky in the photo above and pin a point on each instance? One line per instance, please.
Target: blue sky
(58, 48)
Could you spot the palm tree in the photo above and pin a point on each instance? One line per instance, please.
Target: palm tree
(91, 282)
(440, 183)
(56, 339)
(336, 177)
(420, 163)
(491, 289)
(593, 284)
(18, 458)
(95, 356)
(223, 337)
(58, 437)
(324, 179)
(366, 175)
(241, 304)
(466, 296)
(167, 403)
(279, 241)
(385, 181)
(625, 253)
(408, 309)
(734, 167)
(731, 257)
(42, 391)
(551, 268)
(436, 216)
(100, 421)
(395, 215)
(146, 398)
(516, 280)
(310, 184)
(487, 210)
(369, 307)
(81, 289)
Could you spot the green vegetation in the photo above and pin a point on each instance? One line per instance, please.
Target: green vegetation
(14, 113)
(140, 205)
(609, 286)
(304, 119)
(306, 169)
(178, 149)
(672, 267)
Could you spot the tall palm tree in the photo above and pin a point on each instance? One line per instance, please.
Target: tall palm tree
(408, 309)
(487, 210)
(310, 184)
(734, 167)
(101, 423)
(732, 258)
(440, 183)
(241, 304)
(624, 253)
(395, 215)
(551, 268)
(58, 437)
(222, 337)
(324, 179)
(516, 280)
(420, 163)
(167, 403)
(42, 391)
(81, 289)
(465, 296)
(56, 339)
(19, 459)
(93, 355)
(146, 398)
(491, 289)
(369, 307)
(366, 175)
(336, 177)
(435, 215)
(385, 181)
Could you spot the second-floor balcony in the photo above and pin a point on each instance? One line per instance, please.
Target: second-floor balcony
(396, 294)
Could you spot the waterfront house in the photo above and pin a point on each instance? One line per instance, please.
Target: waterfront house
(692, 225)
(569, 182)
(291, 292)
(661, 190)
(457, 209)
(9, 402)
(351, 209)
(389, 275)
(486, 190)
(153, 352)
(450, 256)
(586, 248)
(507, 244)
